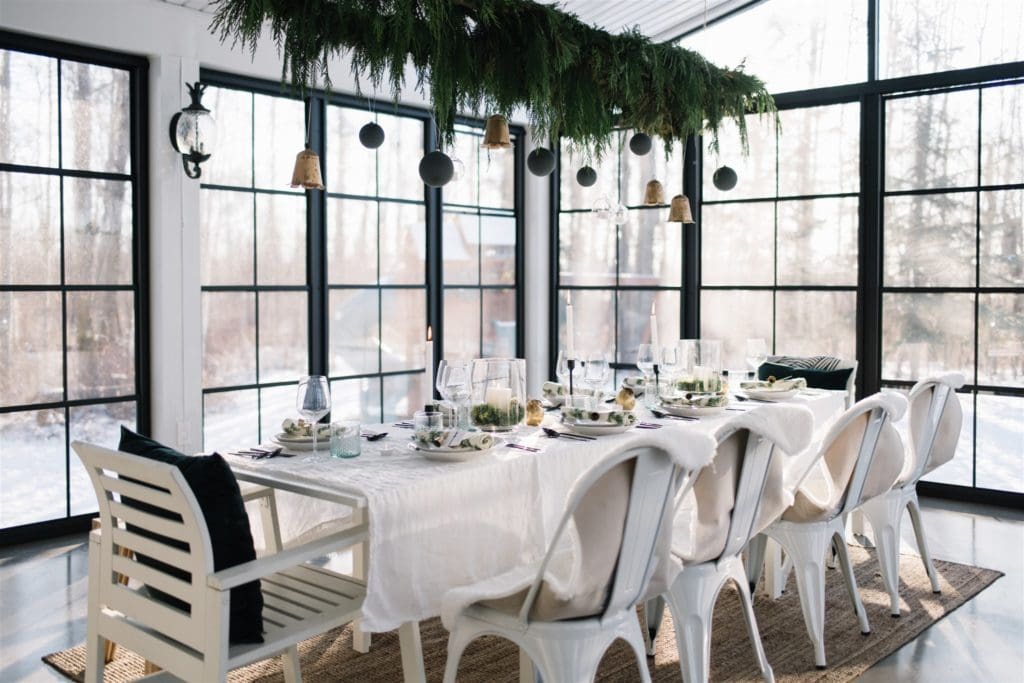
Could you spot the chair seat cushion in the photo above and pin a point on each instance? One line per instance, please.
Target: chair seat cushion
(817, 379)
(220, 499)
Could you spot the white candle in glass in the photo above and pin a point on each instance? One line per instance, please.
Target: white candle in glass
(655, 346)
(498, 397)
(570, 328)
(428, 363)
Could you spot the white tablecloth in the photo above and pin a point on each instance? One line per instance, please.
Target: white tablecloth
(436, 526)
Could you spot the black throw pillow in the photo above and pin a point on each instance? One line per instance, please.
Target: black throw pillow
(817, 379)
(216, 490)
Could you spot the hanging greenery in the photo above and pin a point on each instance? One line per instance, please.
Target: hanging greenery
(486, 56)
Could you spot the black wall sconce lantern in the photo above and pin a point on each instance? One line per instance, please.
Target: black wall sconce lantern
(193, 132)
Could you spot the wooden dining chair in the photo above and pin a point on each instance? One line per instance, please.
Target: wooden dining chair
(170, 534)
(620, 510)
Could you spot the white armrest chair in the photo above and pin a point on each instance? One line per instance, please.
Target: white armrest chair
(936, 419)
(301, 600)
(621, 509)
(860, 458)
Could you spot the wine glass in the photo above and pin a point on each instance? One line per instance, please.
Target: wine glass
(596, 372)
(645, 357)
(757, 353)
(670, 362)
(458, 390)
(439, 381)
(313, 401)
(562, 369)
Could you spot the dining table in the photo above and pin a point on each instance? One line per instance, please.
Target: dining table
(435, 525)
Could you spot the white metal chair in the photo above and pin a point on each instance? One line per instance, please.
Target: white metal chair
(300, 600)
(621, 510)
(860, 458)
(936, 419)
(734, 498)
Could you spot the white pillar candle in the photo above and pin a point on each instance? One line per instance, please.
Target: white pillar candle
(428, 363)
(499, 397)
(655, 346)
(570, 328)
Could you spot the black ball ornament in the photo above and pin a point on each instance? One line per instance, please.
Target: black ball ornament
(541, 161)
(371, 136)
(724, 178)
(586, 176)
(436, 169)
(640, 144)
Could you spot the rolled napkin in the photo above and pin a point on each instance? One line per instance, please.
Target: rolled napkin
(556, 393)
(454, 439)
(603, 415)
(694, 400)
(635, 383)
(480, 441)
(772, 384)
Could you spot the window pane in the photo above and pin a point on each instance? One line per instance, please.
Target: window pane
(817, 242)
(927, 334)
(593, 318)
(462, 324)
(1000, 459)
(350, 167)
(465, 190)
(499, 323)
(276, 404)
(929, 240)
(28, 109)
(284, 336)
(351, 242)
(634, 326)
(30, 340)
(498, 250)
(403, 329)
(230, 420)
(99, 425)
(1002, 238)
(225, 233)
(931, 141)
(1001, 339)
(497, 178)
(281, 127)
(575, 196)
(404, 395)
(959, 470)
(229, 338)
(403, 244)
(586, 248)
(32, 453)
(354, 332)
(356, 399)
(819, 150)
(738, 244)
(755, 171)
(651, 250)
(816, 324)
(281, 239)
(97, 231)
(94, 118)
(734, 317)
(29, 228)
(926, 37)
(460, 247)
(399, 157)
(101, 344)
(231, 162)
(638, 170)
(791, 44)
(1001, 135)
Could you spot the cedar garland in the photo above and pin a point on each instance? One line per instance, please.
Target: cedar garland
(576, 81)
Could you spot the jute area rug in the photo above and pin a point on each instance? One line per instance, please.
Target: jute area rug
(330, 657)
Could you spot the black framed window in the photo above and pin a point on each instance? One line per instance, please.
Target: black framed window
(615, 272)
(72, 290)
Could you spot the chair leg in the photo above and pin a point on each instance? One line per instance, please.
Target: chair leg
(458, 639)
(94, 643)
(839, 546)
(806, 545)
(576, 661)
(654, 611)
(922, 544)
(290, 665)
(737, 576)
(691, 600)
(635, 638)
(755, 560)
(884, 514)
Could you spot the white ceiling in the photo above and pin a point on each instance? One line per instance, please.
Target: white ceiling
(660, 20)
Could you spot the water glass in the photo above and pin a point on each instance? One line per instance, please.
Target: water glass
(757, 353)
(345, 439)
(428, 421)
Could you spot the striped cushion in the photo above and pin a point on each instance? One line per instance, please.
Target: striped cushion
(810, 362)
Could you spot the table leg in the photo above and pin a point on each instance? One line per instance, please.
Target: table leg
(360, 569)
(527, 674)
(412, 652)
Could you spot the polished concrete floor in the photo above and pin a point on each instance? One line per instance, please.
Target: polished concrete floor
(43, 599)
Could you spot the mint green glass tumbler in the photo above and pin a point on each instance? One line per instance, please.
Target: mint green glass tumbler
(345, 441)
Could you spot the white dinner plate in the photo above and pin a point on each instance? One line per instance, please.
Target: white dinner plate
(302, 444)
(688, 411)
(771, 395)
(596, 429)
(445, 454)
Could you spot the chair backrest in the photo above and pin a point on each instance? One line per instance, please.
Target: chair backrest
(824, 363)
(935, 418)
(621, 508)
(146, 506)
(743, 490)
(860, 458)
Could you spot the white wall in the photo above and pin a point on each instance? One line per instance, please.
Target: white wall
(177, 42)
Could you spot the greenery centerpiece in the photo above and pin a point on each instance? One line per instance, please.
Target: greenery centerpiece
(498, 393)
